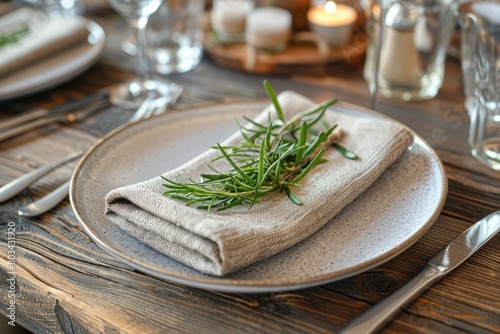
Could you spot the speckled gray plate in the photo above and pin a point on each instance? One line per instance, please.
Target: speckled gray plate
(58, 68)
(394, 213)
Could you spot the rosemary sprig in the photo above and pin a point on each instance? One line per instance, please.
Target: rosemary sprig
(14, 36)
(276, 156)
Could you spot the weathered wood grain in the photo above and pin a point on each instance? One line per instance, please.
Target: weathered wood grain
(301, 56)
(66, 284)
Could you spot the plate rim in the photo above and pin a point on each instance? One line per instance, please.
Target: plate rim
(96, 49)
(223, 284)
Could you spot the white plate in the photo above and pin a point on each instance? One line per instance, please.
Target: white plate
(56, 69)
(387, 219)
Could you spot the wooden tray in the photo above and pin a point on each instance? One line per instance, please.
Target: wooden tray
(299, 57)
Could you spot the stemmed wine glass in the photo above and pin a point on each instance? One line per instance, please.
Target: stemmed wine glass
(144, 86)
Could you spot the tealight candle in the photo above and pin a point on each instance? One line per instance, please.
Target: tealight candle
(333, 22)
(298, 9)
(229, 18)
(269, 28)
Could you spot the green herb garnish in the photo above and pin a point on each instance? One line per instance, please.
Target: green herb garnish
(276, 156)
(14, 36)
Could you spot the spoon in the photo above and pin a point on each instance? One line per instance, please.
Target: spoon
(45, 203)
(14, 187)
(48, 202)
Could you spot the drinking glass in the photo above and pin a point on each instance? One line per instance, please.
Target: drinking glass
(175, 36)
(408, 42)
(145, 85)
(480, 51)
(60, 8)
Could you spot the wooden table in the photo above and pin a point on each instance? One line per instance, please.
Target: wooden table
(67, 284)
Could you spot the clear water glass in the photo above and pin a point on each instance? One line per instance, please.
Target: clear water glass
(480, 50)
(175, 36)
(60, 8)
(145, 85)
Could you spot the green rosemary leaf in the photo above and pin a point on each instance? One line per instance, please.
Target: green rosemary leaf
(292, 197)
(262, 154)
(315, 144)
(242, 184)
(241, 129)
(238, 156)
(184, 198)
(330, 130)
(14, 36)
(236, 168)
(291, 184)
(310, 166)
(210, 204)
(267, 138)
(304, 115)
(277, 176)
(345, 152)
(251, 121)
(213, 177)
(302, 141)
(230, 205)
(274, 100)
(318, 116)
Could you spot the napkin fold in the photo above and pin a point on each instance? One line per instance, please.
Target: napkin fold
(45, 38)
(219, 243)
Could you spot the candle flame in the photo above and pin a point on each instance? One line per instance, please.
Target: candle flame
(330, 7)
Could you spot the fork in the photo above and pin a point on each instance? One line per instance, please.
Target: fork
(148, 108)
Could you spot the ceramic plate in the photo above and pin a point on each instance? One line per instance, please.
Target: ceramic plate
(57, 69)
(384, 221)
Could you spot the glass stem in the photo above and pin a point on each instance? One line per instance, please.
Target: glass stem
(378, 50)
(142, 65)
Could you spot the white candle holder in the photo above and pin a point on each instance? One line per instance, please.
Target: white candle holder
(269, 28)
(228, 19)
(332, 22)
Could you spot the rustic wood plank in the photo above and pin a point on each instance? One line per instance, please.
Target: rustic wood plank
(79, 283)
(456, 295)
(85, 273)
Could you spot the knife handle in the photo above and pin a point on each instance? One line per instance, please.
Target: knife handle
(380, 314)
(64, 108)
(14, 187)
(24, 128)
(23, 118)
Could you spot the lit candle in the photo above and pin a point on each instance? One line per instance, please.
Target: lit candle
(333, 22)
(269, 28)
(229, 18)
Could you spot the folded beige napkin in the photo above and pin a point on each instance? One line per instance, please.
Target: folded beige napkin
(221, 242)
(46, 37)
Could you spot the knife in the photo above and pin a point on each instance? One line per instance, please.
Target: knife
(439, 266)
(63, 117)
(32, 115)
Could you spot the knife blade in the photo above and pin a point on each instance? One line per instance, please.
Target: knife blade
(439, 266)
(32, 115)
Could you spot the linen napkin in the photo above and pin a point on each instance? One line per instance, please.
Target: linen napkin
(46, 37)
(219, 243)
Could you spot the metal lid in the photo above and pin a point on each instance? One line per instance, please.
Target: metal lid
(402, 16)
